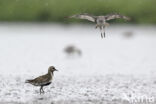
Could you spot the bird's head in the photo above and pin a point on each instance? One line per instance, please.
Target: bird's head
(52, 69)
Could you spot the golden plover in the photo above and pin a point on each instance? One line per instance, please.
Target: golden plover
(101, 21)
(43, 80)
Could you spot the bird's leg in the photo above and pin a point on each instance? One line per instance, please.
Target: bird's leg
(101, 31)
(104, 31)
(101, 35)
(40, 89)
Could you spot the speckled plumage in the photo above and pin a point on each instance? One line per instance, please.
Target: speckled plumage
(43, 80)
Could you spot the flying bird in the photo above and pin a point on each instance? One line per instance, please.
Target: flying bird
(43, 80)
(101, 21)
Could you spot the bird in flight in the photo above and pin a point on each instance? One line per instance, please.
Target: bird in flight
(43, 80)
(101, 21)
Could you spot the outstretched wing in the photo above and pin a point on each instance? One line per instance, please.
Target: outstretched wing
(114, 16)
(84, 16)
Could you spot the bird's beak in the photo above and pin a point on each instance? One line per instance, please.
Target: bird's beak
(56, 70)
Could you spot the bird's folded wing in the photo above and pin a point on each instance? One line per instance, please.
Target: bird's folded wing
(114, 16)
(84, 16)
(42, 79)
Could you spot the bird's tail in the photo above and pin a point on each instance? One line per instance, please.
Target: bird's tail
(28, 81)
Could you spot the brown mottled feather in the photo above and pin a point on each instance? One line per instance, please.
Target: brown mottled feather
(115, 16)
(43, 80)
(85, 16)
(40, 80)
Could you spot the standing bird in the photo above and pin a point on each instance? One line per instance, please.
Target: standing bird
(43, 80)
(101, 21)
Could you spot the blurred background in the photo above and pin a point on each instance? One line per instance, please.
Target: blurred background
(141, 11)
(34, 34)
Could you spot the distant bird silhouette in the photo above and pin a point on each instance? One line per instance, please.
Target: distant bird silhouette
(101, 21)
(128, 34)
(71, 50)
(43, 80)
